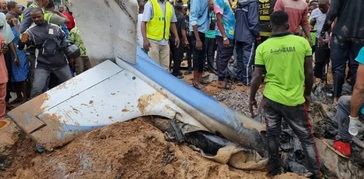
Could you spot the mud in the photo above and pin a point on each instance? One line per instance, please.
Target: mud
(134, 149)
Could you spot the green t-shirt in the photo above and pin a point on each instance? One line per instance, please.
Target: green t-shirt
(283, 57)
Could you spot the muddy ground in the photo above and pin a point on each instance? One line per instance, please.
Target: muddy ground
(134, 149)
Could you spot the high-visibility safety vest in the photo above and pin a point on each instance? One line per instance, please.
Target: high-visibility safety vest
(158, 27)
(48, 16)
(33, 5)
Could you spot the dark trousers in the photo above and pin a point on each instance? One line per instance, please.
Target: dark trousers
(322, 58)
(177, 55)
(189, 52)
(199, 55)
(8, 62)
(210, 52)
(224, 54)
(298, 120)
(244, 60)
(344, 51)
(31, 58)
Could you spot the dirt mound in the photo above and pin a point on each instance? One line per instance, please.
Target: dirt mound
(134, 149)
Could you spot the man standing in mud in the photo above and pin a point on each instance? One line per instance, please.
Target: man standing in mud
(285, 61)
(346, 40)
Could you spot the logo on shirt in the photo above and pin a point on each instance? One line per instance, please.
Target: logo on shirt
(283, 50)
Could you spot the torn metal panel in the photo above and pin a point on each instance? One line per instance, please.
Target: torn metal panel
(75, 106)
(108, 28)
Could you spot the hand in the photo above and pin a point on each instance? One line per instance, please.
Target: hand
(252, 105)
(16, 62)
(4, 49)
(355, 126)
(226, 43)
(146, 44)
(198, 44)
(176, 42)
(24, 37)
(186, 43)
(15, 21)
(258, 39)
(72, 62)
(307, 102)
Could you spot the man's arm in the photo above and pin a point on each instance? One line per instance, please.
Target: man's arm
(253, 17)
(220, 26)
(175, 33)
(331, 15)
(147, 15)
(183, 31)
(305, 25)
(257, 80)
(13, 51)
(357, 99)
(195, 8)
(308, 68)
(26, 22)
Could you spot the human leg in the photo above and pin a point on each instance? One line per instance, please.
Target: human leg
(225, 54)
(164, 56)
(210, 53)
(2, 100)
(298, 120)
(273, 120)
(198, 62)
(239, 60)
(339, 55)
(322, 57)
(177, 53)
(248, 59)
(40, 81)
(63, 73)
(154, 52)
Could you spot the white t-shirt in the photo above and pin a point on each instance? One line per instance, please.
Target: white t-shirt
(320, 20)
(139, 31)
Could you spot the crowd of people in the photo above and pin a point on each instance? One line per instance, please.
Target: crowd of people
(41, 47)
(270, 42)
(286, 44)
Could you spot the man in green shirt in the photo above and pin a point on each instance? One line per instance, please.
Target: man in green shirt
(285, 60)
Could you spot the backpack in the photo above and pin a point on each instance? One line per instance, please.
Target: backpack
(50, 47)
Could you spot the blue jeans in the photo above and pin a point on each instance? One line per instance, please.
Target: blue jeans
(42, 75)
(342, 118)
(344, 51)
(244, 60)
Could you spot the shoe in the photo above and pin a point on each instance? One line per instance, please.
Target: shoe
(342, 147)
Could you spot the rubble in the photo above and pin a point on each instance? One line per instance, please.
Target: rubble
(133, 149)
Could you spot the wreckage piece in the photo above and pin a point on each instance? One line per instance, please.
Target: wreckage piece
(110, 93)
(108, 28)
(133, 87)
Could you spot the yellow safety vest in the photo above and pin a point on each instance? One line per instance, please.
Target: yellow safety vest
(158, 27)
(33, 5)
(48, 16)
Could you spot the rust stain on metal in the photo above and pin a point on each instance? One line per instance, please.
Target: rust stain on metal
(24, 115)
(145, 100)
(52, 135)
